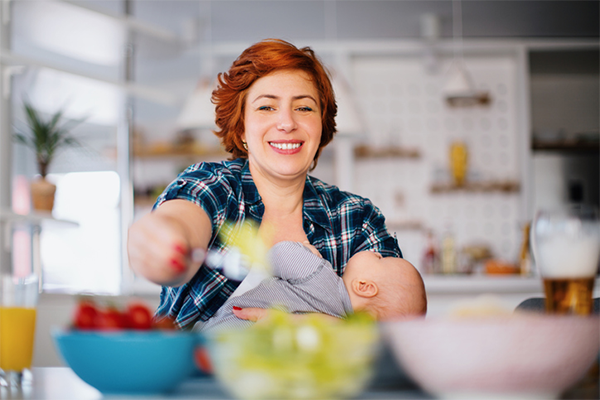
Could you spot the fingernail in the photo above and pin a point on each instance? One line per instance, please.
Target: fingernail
(180, 249)
(237, 308)
(177, 265)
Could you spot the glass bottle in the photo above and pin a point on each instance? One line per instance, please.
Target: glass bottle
(525, 254)
(448, 252)
(430, 261)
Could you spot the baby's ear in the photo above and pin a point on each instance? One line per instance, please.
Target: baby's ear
(364, 288)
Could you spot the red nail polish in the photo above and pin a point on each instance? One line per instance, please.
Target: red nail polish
(237, 308)
(177, 265)
(179, 248)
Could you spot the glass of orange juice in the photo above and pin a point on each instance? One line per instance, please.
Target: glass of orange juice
(18, 301)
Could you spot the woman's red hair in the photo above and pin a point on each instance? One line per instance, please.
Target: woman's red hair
(257, 61)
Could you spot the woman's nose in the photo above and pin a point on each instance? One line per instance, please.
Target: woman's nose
(286, 122)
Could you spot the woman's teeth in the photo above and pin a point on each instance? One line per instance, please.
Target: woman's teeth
(286, 146)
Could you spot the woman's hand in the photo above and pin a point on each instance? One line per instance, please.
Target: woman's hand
(160, 244)
(250, 314)
(158, 249)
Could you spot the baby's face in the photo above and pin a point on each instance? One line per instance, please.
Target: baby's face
(368, 261)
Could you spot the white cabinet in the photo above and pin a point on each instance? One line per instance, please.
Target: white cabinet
(565, 115)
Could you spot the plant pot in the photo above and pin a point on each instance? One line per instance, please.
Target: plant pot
(42, 195)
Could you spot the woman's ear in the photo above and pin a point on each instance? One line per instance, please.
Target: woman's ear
(364, 288)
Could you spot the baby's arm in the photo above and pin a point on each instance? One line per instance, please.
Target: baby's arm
(312, 248)
(293, 260)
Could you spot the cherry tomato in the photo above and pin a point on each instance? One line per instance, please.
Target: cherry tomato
(111, 319)
(86, 315)
(164, 323)
(139, 316)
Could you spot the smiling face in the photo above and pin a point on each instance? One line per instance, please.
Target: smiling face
(283, 125)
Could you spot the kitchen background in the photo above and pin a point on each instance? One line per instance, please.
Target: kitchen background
(131, 68)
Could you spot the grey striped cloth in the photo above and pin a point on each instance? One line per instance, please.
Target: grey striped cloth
(302, 283)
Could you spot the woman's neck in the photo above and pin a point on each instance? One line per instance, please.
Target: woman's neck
(280, 196)
(283, 201)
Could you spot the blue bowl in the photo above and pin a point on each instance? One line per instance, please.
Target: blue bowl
(129, 362)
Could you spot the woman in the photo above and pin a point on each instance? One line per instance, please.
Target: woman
(275, 111)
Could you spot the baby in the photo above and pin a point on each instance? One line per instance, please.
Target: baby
(303, 282)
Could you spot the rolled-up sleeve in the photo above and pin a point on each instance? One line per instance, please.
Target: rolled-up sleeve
(206, 188)
(214, 191)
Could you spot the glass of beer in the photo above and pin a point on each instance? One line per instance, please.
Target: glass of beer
(566, 248)
(18, 301)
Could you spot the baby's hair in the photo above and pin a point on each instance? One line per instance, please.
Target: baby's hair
(397, 297)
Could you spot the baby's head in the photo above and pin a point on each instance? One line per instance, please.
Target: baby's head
(385, 287)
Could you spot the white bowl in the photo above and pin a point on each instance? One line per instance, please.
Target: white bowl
(522, 356)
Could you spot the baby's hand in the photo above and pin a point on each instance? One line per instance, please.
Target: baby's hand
(312, 248)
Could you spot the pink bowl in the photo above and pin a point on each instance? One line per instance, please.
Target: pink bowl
(500, 357)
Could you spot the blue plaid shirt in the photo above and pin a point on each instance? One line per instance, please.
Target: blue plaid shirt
(337, 223)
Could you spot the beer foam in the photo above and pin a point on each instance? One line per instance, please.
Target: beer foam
(562, 256)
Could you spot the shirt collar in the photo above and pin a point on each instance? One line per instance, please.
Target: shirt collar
(249, 188)
(315, 209)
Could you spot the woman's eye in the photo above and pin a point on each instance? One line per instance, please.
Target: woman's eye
(265, 108)
(305, 109)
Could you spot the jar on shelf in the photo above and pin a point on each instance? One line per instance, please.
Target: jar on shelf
(459, 161)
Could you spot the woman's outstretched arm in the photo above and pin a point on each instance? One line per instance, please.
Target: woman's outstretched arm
(160, 244)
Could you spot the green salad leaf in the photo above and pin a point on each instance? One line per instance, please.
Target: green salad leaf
(287, 356)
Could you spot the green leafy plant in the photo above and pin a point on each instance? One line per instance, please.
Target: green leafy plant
(46, 136)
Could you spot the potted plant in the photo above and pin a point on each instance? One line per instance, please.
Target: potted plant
(45, 137)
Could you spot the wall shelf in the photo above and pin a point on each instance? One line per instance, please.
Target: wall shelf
(36, 218)
(505, 186)
(566, 146)
(169, 151)
(481, 284)
(142, 201)
(405, 225)
(133, 89)
(364, 152)
(164, 150)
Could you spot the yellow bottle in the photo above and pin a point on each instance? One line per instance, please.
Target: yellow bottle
(459, 158)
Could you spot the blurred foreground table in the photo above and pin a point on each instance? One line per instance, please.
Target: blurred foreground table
(62, 384)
